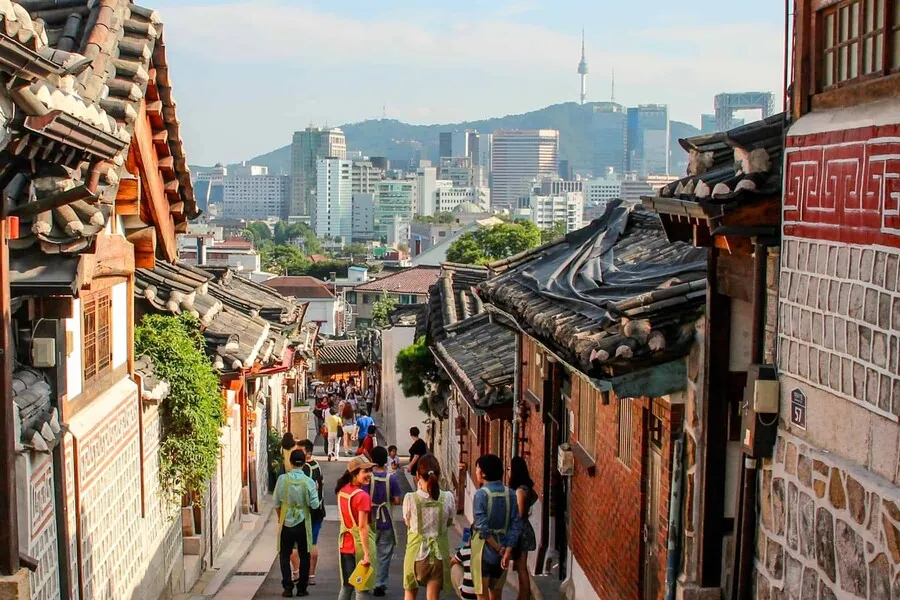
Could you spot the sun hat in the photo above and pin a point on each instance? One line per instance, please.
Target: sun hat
(359, 462)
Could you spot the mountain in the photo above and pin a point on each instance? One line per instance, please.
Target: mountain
(400, 141)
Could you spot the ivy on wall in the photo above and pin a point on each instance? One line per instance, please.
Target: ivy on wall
(194, 413)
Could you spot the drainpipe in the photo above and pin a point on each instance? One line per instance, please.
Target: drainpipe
(675, 510)
(544, 542)
(517, 390)
(9, 531)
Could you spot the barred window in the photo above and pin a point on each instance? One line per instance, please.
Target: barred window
(97, 336)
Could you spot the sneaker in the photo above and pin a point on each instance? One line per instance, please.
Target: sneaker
(287, 593)
(301, 593)
(379, 591)
(312, 580)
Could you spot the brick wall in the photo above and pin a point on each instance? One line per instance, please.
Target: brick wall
(37, 522)
(532, 419)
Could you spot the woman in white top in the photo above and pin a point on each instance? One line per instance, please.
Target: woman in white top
(428, 513)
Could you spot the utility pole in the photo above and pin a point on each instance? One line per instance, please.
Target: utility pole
(9, 534)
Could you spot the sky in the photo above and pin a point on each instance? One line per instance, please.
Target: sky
(247, 73)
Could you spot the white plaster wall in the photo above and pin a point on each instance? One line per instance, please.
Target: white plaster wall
(230, 470)
(120, 324)
(321, 311)
(739, 358)
(398, 411)
(73, 353)
(577, 585)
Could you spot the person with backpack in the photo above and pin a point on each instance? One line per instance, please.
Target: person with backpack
(314, 472)
(428, 513)
(357, 537)
(384, 489)
(295, 496)
(520, 482)
(497, 528)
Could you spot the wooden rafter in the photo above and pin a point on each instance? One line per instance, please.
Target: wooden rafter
(154, 188)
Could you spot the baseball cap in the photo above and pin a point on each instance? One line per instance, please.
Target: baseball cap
(359, 462)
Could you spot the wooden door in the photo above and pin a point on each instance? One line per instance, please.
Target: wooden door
(651, 524)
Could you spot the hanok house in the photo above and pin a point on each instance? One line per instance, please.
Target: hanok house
(408, 286)
(609, 313)
(248, 329)
(95, 180)
(338, 360)
(730, 203)
(829, 498)
(476, 350)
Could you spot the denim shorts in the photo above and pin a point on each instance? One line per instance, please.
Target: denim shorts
(316, 528)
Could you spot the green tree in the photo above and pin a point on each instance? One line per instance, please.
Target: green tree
(356, 249)
(193, 413)
(257, 233)
(381, 308)
(494, 243)
(417, 369)
(551, 233)
(288, 260)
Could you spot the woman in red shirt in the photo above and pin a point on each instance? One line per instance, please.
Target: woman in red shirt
(357, 539)
(367, 444)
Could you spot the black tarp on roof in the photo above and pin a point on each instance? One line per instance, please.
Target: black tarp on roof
(615, 293)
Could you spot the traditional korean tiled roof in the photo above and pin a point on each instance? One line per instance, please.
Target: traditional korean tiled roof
(37, 420)
(454, 297)
(235, 339)
(259, 299)
(82, 71)
(338, 352)
(405, 315)
(615, 294)
(306, 339)
(415, 280)
(726, 168)
(153, 389)
(479, 355)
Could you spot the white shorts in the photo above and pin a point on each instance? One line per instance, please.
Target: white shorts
(348, 429)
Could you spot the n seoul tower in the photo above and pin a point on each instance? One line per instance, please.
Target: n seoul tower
(583, 70)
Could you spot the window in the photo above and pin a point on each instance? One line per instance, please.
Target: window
(407, 299)
(366, 298)
(852, 41)
(97, 338)
(586, 427)
(351, 297)
(626, 425)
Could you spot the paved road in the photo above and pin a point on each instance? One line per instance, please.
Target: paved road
(327, 574)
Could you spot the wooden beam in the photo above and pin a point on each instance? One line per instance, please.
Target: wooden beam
(181, 227)
(172, 187)
(167, 168)
(144, 241)
(177, 209)
(758, 214)
(734, 244)
(154, 189)
(155, 114)
(113, 257)
(128, 198)
(734, 276)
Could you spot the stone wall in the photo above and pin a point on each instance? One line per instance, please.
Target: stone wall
(37, 522)
(840, 316)
(828, 528)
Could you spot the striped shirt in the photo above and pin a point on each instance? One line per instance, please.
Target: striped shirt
(467, 589)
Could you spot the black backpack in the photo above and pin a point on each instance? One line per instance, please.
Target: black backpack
(314, 472)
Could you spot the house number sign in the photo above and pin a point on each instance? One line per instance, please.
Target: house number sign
(798, 409)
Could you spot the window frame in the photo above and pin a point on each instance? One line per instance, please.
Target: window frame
(586, 417)
(96, 336)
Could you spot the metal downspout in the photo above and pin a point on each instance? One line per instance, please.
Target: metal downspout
(676, 498)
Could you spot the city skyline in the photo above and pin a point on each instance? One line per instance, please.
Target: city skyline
(338, 69)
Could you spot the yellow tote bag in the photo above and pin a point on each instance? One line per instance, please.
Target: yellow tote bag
(362, 576)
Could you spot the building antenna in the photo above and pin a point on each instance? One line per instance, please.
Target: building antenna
(613, 94)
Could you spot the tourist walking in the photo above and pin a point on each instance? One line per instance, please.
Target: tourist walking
(363, 423)
(496, 529)
(348, 426)
(357, 538)
(461, 569)
(521, 483)
(370, 399)
(295, 496)
(384, 489)
(333, 422)
(418, 449)
(288, 445)
(312, 470)
(428, 513)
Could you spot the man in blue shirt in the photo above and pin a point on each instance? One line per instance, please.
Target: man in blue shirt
(496, 529)
(295, 496)
(363, 424)
(384, 488)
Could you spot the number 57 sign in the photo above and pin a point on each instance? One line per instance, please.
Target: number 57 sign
(798, 409)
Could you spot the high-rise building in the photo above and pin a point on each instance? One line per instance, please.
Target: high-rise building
(648, 139)
(708, 124)
(395, 204)
(307, 147)
(251, 193)
(549, 186)
(365, 176)
(363, 217)
(445, 144)
(334, 199)
(518, 158)
(209, 187)
(480, 150)
(609, 132)
(600, 191)
(462, 171)
(426, 182)
(548, 210)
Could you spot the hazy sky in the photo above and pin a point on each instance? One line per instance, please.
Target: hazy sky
(248, 73)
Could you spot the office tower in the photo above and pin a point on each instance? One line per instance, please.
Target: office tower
(601, 191)
(518, 158)
(381, 163)
(426, 182)
(456, 143)
(365, 176)
(462, 171)
(565, 170)
(552, 185)
(609, 132)
(209, 187)
(251, 193)
(334, 199)
(363, 214)
(445, 144)
(395, 204)
(547, 210)
(708, 124)
(307, 147)
(480, 150)
(648, 139)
